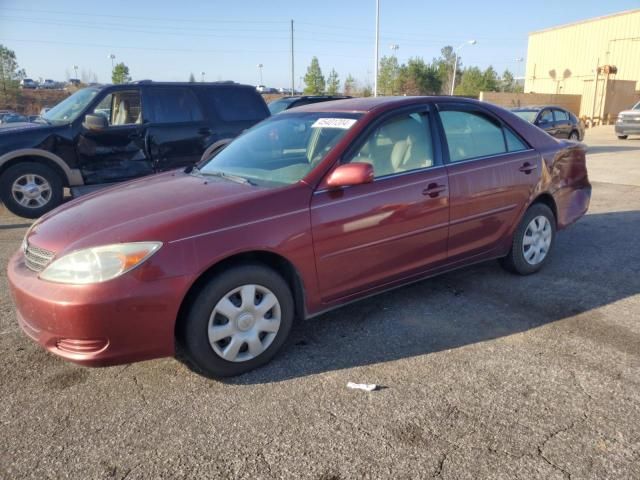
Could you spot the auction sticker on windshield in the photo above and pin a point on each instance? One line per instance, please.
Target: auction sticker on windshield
(344, 123)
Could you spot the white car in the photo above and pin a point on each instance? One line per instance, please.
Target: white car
(628, 122)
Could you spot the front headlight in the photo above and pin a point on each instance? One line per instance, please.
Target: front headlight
(99, 264)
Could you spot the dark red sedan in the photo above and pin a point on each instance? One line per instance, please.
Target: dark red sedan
(308, 210)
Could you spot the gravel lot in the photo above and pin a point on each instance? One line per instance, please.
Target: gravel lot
(486, 375)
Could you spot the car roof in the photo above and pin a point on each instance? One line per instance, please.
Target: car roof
(536, 107)
(369, 104)
(226, 83)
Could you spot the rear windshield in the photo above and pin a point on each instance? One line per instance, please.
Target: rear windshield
(236, 104)
(528, 115)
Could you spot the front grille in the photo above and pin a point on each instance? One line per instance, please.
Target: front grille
(37, 259)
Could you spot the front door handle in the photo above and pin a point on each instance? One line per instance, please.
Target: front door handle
(433, 190)
(527, 168)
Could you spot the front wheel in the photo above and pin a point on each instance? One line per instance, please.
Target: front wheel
(237, 322)
(532, 241)
(574, 136)
(623, 137)
(31, 189)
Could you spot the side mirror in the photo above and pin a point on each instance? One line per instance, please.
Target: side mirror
(349, 174)
(95, 122)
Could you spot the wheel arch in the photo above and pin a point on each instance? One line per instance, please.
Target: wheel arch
(275, 261)
(548, 200)
(69, 176)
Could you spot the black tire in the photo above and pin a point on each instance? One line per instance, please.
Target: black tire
(515, 261)
(574, 136)
(623, 137)
(54, 198)
(192, 338)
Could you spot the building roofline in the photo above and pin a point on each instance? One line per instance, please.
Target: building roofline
(587, 20)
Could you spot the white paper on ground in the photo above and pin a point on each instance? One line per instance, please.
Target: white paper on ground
(367, 387)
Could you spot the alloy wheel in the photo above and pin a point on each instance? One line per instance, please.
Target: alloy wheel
(31, 190)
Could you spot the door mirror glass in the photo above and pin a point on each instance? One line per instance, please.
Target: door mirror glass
(349, 174)
(95, 122)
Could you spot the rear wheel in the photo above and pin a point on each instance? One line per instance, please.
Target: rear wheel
(532, 241)
(623, 137)
(574, 136)
(237, 322)
(31, 189)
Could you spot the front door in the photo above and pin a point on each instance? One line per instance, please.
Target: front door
(492, 174)
(562, 123)
(118, 151)
(369, 235)
(177, 131)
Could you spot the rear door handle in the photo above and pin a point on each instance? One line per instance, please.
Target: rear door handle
(433, 190)
(204, 131)
(527, 168)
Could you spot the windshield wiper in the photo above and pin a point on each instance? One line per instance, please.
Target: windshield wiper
(229, 176)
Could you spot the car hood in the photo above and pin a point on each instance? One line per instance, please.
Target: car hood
(12, 128)
(630, 113)
(162, 207)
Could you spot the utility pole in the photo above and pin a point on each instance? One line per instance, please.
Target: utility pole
(292, 70)
(377, 53)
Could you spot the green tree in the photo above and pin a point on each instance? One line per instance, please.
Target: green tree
(366, 91)
(350, 86)
(314, 81)
(388, 75)
(120, 74)
(508, 83)
(491, 80)
(444, 65)
(192, 78)
(419, 78)
(471, 83)
(333, 83)
(10, 73)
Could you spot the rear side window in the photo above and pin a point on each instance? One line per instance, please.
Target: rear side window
(236, 104)
(471, 135)
(545, 116)
(173, 105)
(561, 115)
(474, 134)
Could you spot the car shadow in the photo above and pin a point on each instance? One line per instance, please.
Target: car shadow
(595, 263)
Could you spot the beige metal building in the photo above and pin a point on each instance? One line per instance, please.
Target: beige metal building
(578, 58)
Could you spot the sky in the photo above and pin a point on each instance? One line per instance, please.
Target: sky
(168, 40)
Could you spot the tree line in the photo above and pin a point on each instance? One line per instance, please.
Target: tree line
(415, 77)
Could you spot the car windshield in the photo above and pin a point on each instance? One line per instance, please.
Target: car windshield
(528, 115)
(280, 105)
(636, 106)
(70, 108)
(282, 149)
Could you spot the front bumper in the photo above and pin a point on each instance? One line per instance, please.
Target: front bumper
(622, 128)
(120, 321)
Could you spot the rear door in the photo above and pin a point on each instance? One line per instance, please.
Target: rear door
(368, 235)
(177, 131)
(492, 174)
(117, 152)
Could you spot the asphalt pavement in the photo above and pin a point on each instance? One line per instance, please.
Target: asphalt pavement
(484, 375)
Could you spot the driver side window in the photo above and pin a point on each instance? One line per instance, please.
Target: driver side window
(546, 117)
(121, 108)
(398, 145)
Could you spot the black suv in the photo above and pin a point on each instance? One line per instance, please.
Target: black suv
(285, 103)
(101, 135)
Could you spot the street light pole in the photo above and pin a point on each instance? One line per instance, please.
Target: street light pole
(260, 70)
(112, 57)
(455, 63)
(202, 78)
(75, 67)
(375, 80)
